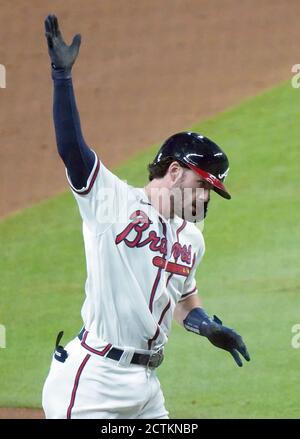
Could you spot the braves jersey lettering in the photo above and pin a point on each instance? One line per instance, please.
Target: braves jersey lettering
(184, 252)
(140, 223)
(151, 265)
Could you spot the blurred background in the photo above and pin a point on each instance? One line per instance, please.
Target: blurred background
(146, 69)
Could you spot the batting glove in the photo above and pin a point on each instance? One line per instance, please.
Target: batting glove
(225, 338)
(62, 56)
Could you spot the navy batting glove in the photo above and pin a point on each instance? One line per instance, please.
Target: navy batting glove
(62, 56)
(225, 338)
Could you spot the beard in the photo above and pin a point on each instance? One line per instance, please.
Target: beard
(193, 215)
(188, 204)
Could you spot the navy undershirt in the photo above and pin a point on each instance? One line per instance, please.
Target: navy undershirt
(78, 158)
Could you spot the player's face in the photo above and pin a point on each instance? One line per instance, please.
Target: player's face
(195, 192)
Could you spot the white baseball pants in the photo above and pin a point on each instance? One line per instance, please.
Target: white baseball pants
(88, 386)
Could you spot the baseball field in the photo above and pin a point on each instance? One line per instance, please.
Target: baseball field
(249, 276)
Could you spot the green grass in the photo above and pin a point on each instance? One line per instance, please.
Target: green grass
(249, 276)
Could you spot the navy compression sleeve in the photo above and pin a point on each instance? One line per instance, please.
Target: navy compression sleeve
(78, 158)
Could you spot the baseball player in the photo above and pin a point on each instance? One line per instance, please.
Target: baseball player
(142, 250)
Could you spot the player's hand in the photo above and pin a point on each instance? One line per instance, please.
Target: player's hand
(228, 339)
(62, 56)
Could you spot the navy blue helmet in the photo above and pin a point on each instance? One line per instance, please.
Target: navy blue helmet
(201, 155)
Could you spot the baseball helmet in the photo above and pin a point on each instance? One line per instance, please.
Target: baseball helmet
(201, 155)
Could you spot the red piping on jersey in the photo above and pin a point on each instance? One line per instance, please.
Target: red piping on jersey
(156, 282)
(190, 292)
(75, 387)
(154, 288)
(180, 229)
(158, 325)
(177, 234)
(187, 294)
(86, 346)
(91, 182)
(170, 275)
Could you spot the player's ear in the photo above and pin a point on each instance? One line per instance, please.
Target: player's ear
(175, 172)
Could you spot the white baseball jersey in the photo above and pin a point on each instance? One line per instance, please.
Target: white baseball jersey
(139, 265)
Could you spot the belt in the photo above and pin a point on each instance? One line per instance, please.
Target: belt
(148, 360)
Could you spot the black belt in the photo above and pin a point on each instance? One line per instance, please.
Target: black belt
(153, 360)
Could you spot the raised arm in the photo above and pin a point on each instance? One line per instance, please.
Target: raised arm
(78, 158)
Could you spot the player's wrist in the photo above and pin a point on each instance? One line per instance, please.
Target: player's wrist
(60, 73)
(198, 321)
